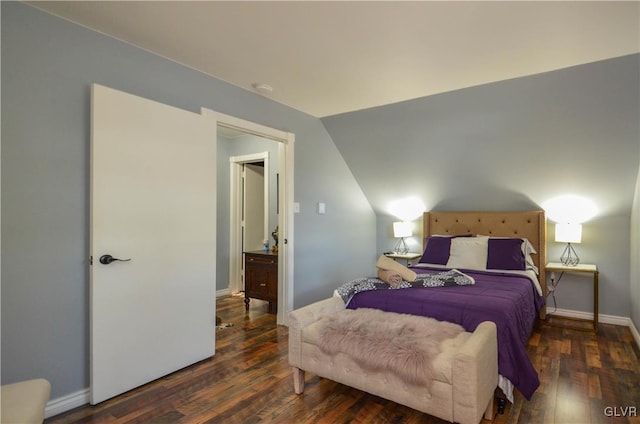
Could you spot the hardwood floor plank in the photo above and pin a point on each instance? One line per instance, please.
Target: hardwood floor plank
(249, 381)
(592, 354)
(566, 347)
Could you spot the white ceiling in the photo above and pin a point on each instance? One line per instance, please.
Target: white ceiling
(326, 58)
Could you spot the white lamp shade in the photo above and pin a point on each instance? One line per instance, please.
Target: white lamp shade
(402, 229)
(568, 233)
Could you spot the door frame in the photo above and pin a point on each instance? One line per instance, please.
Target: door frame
(285, 202)
(235, 220)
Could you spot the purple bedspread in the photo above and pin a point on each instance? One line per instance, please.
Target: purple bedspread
(511, 301)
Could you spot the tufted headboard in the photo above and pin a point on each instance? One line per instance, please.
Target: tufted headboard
(523, 224)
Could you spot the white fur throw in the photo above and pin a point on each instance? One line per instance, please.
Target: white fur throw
(385, 341)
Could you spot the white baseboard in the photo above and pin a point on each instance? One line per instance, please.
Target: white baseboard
(604, 319)
(66, 403)
(223, 292)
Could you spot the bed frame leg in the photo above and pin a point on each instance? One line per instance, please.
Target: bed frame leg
(298, 380)
(489, 413)
(502, 404)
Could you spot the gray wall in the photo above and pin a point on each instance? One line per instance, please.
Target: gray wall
(513, 145)
(227, 148)
(48, 65)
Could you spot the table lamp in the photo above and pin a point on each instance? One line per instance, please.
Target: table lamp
(401, 230)
(569, 233)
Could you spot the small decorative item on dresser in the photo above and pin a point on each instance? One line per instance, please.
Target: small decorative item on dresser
(274, 234)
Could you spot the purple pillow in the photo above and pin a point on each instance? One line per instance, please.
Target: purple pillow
(505, 253)
(437, 250)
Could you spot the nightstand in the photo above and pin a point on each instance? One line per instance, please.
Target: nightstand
(404, 256)
(554, 267)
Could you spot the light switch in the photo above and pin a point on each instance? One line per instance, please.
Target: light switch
(321, 208)
(296, 207)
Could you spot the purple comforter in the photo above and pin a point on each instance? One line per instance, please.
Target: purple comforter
(511, 301)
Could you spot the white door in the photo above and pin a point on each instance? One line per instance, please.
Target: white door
(253, 210)
(153, 201)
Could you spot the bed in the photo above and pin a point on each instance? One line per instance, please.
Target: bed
(512, 298)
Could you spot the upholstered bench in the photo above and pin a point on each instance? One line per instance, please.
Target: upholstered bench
(24, 402)
(464, 379)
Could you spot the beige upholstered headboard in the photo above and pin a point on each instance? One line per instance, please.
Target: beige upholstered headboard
(523, 224)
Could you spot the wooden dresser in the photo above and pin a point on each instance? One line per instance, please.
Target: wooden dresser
(261, 278)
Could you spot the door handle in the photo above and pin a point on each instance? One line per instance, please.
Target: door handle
(107, 259)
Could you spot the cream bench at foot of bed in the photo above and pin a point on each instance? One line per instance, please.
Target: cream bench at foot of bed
(463, 386)
(24, 402)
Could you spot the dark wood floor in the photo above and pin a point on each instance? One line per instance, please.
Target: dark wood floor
(583, 377)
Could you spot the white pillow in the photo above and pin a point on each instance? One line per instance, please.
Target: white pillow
(468, 253)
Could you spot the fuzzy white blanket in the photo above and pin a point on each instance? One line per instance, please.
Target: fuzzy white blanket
(385, 341)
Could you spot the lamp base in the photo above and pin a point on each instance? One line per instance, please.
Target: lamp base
(569, 256)
(401, 247)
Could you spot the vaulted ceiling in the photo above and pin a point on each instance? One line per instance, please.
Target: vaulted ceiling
(326, 58)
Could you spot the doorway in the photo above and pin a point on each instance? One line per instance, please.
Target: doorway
(281, 198)
(252, 212)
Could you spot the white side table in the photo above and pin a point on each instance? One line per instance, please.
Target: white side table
(554, 267)
(404, 256)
